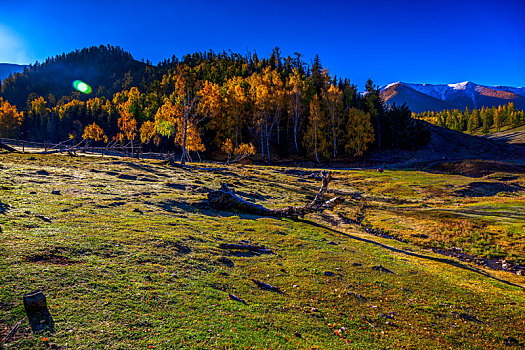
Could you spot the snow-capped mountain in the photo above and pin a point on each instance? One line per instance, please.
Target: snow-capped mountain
(436, 97)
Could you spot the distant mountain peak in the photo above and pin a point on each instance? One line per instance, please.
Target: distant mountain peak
(461, 86)
(436, 97)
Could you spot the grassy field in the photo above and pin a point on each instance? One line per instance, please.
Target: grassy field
(511, 135)
(128, 262)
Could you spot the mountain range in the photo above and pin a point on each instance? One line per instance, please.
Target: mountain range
(430, 97)
(10, 68)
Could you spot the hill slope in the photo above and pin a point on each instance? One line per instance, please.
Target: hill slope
(106, 69)
(10, 68)
(513, 136)
(429, 97)
(447, 144)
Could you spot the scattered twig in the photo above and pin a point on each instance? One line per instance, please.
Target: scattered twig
(236, 298)
(367, 321)
(13, 332)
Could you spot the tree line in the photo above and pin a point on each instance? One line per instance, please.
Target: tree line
(222, 104)
(476, 121)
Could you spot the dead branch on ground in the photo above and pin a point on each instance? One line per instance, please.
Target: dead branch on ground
(225, 198)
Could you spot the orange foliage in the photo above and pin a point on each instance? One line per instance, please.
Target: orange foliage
(10, 119)
(94, 132)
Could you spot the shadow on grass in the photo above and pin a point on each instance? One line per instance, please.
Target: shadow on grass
(3, 208)
(203, 209)
(447, 261)
(143, 167)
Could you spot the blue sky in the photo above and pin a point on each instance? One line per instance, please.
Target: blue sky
(413, 41)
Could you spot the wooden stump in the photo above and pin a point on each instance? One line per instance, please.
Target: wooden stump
(36, 309)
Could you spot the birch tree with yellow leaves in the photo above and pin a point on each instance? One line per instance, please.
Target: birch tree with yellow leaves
(267, 91)
(315, 139)
(359, 132)
(333, 99)
(235, 105)
(295, 86)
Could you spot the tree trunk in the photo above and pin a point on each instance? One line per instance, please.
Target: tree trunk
(183, 157)
(334, 134)
(267, 141)
(295, 134)
(262, 143)
(315, 142)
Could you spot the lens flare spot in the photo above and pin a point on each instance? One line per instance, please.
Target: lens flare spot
(82, 87)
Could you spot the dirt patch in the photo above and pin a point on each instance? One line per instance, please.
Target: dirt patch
(486, 189)
(49, 258)
(475, 168)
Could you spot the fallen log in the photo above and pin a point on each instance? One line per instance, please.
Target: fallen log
(8, 148)
(266, 286)
(225, 198)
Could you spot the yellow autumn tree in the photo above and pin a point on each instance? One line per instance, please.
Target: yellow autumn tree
(333, 99)
(127, 124)
(94, 132)
(96, 109)
(239, 153)
(295, 85)
(227, 148)
(10, 119)
(260, 96)
(315, 139)
(211, 105)
(268, 97)
(235, 101)
(244, 150)
(170, 121)
(147, 131)
(359, 132)
(186, 97)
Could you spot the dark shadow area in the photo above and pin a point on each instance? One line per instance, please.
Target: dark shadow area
(251, 195)
(144, 167)
(487, 189)
(3, 208)
(204, 209)
(468, 212)
(473, 168)
(450, 262)
(246, 254)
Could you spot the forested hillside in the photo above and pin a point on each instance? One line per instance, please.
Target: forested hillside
(219, 103)
(477, 121)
